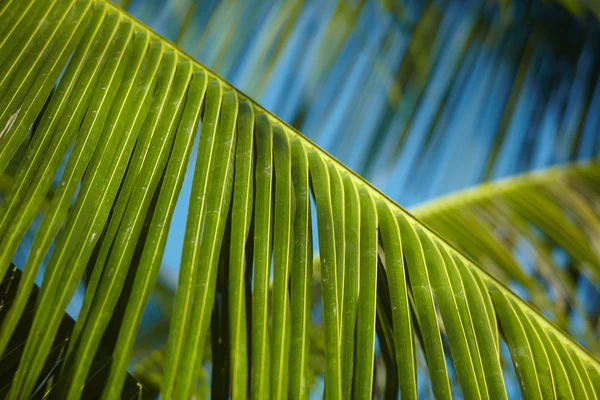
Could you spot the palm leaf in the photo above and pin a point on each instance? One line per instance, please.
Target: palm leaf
(125, 114)
(540, 212)
(404, 92)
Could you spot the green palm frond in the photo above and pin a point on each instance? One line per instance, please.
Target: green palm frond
(535, 213)
(81, 80)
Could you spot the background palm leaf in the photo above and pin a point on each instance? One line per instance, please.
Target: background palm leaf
(408, 93)
(123, 107)
(519, 226)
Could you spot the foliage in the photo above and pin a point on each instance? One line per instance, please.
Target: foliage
(82, 81)
(517, 227)
(421, 98)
